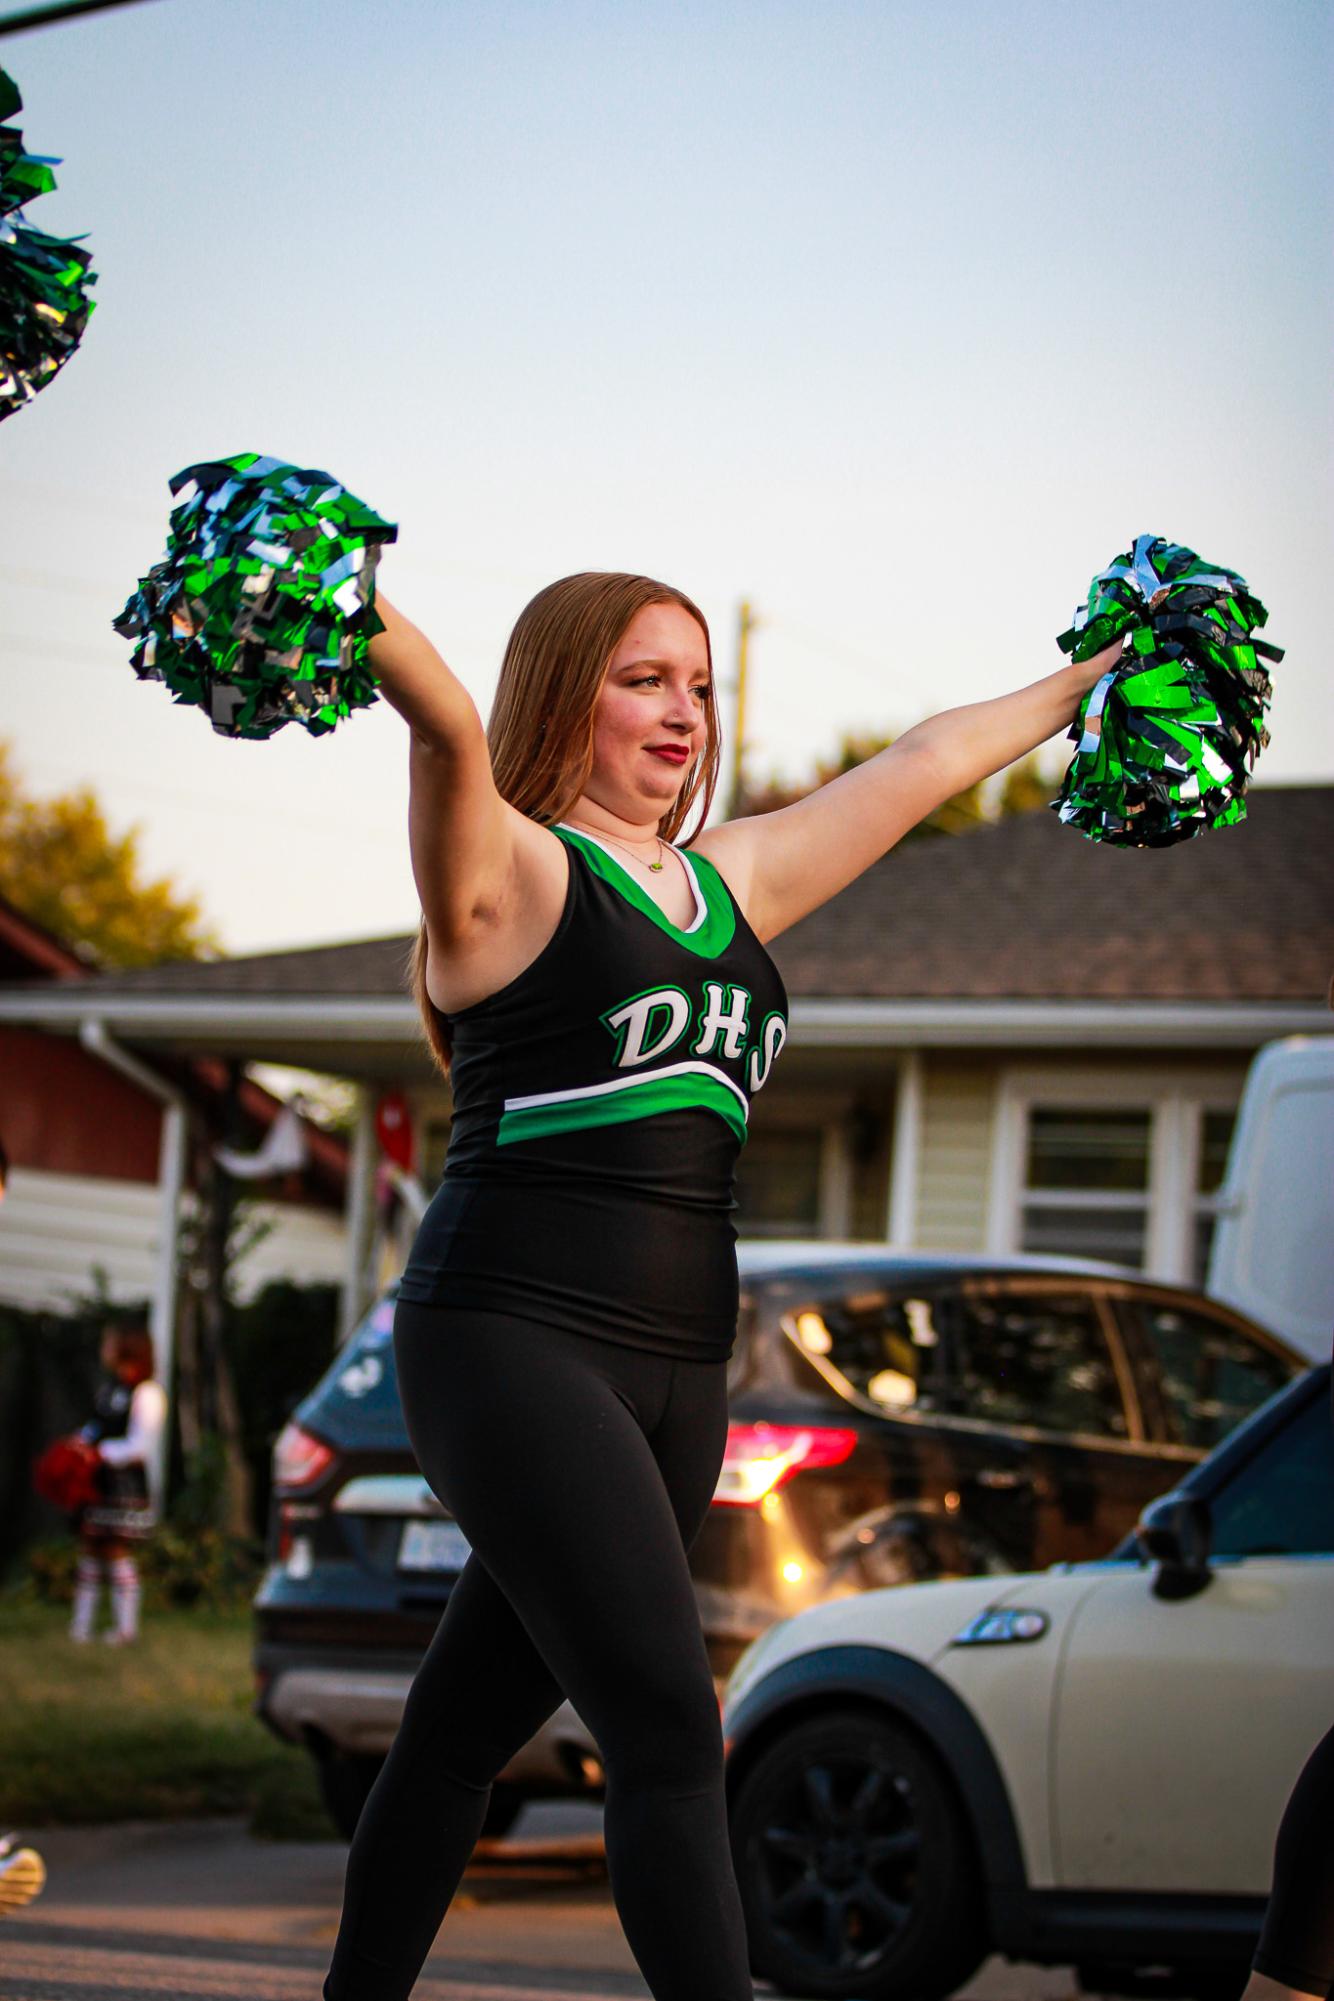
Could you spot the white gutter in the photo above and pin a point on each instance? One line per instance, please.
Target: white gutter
(311, 1020)
(163, 1017)
(947, 1024)
(171, 1179)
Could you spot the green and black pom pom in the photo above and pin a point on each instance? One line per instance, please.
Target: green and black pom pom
(262, 610)
(44, 280)
(1167, 739)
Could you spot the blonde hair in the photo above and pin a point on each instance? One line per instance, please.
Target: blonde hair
(541, 730)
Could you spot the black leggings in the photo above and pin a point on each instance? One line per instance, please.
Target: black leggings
(1297, 1944)
(580, 1472)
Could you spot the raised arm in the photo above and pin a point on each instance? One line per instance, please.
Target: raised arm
(783, 865)
(468, 845)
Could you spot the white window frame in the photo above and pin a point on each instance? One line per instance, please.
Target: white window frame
(1175, 1109)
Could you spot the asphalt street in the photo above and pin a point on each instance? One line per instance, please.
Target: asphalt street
(200, 1911)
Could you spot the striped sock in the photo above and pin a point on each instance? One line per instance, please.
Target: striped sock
(87, 1587)
(125, 1597)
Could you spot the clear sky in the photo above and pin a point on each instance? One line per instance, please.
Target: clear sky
(898, 318)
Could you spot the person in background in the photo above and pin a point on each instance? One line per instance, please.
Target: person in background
(130, 1410)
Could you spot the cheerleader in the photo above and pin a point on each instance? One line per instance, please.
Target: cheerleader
(130, 1409)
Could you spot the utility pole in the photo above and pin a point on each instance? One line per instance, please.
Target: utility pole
(745, 625)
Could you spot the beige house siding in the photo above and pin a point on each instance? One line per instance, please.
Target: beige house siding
(58, 1231)
(65, 1236)
(953, 1180)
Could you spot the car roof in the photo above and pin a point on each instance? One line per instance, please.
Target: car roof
(760, 1257)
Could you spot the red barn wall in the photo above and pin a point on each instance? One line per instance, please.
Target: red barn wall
(62, 1110)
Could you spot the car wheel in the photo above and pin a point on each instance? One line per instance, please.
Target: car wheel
(856, 1870)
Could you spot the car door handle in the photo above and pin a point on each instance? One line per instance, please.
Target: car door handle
(1002, 1479)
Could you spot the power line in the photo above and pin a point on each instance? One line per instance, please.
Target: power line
(215, 803)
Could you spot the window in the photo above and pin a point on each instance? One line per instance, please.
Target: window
(1213, 1375)
(1086, 1183)
(778, 1183)
(1037, 1360)
(1283, 1502)
(887, 1347)
(1215, 1139)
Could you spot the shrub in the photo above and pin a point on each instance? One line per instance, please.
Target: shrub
(177, 1566)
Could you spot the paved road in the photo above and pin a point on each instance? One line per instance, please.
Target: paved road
(198, 1911)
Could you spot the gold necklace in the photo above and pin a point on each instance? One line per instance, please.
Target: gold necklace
(654, 867)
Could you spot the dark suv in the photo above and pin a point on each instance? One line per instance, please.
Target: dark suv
(893, 1418)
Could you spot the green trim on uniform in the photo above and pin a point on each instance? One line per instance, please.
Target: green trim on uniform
(714, 935)
(641, 1099)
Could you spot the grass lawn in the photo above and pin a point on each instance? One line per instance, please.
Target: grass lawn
(157, 1731)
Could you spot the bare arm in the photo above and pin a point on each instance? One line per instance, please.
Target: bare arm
(464, 837)
(783, 865)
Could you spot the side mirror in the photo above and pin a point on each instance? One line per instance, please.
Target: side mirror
(1175, 1533)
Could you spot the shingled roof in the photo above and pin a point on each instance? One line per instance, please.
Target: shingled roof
(1024, 910)
(1028, 909)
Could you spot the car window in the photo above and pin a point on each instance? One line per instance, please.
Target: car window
(1212, 1374)
(359, 1389)
(1037, 1359)
(887, 1346)
(1283, 1501)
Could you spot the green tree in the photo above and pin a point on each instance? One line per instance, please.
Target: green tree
(62, 866)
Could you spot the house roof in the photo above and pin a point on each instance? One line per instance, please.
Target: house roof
(29, 951)
(1028, 909)
(1022, 910)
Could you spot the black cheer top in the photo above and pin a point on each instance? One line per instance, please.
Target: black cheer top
(600, 1102)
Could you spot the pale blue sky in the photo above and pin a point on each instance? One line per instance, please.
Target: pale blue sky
(899, 319)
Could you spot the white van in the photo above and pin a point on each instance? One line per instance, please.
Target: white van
(1273, 1248)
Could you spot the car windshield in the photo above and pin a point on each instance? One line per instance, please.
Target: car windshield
(1282, 1502)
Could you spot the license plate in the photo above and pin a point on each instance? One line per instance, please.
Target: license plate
(433, 1546)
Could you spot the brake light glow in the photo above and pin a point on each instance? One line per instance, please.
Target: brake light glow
(760, 1458)
(299, 1458)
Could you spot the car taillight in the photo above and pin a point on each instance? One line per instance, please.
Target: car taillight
(760, 1457)
(299, 1458)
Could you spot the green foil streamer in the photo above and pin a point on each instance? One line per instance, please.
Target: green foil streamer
(1166, 740)
(261, 612)
(44, 280)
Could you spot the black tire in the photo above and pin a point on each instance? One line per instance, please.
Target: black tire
(346, 1779)
(1216, 1981)
(856, 1869)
